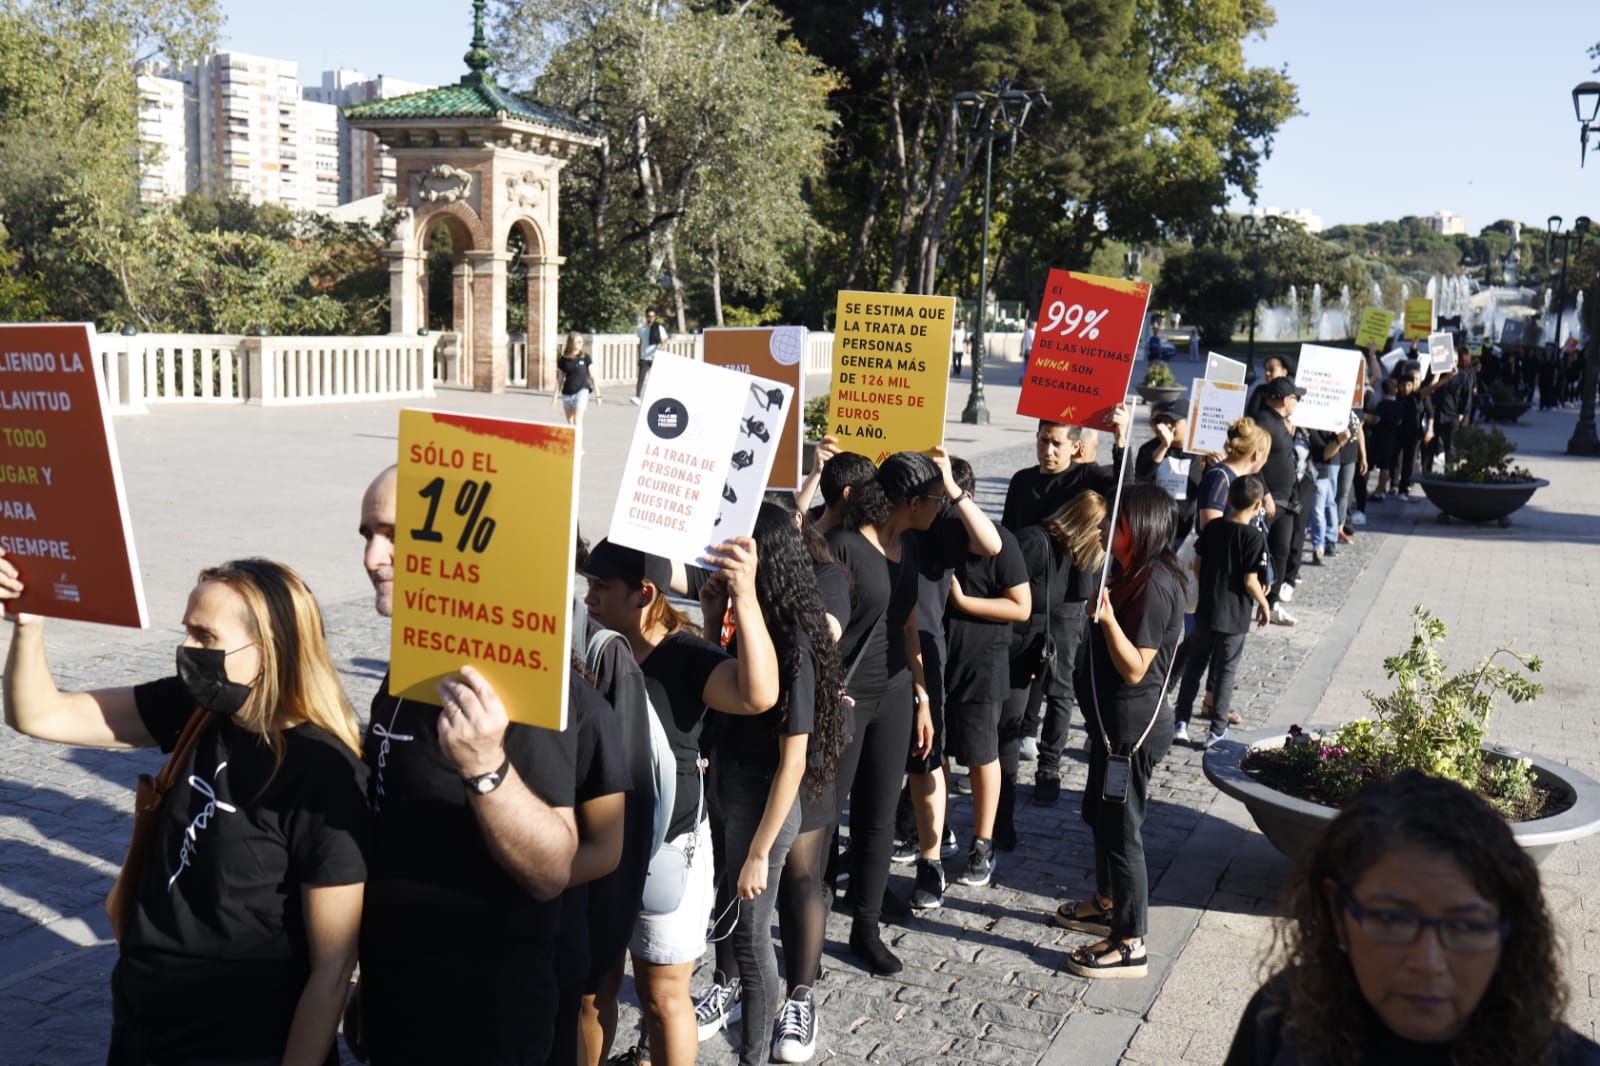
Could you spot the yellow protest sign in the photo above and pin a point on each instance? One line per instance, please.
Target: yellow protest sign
(486, 518)
(1375, 326)
(891, 353)
(1419, 320)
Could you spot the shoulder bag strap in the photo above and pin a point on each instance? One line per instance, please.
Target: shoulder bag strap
(861, 651)
(197, 724)
(1161, 698)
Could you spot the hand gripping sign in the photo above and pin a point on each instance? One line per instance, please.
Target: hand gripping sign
(63, 510)
(1086, 339)
(486, 520)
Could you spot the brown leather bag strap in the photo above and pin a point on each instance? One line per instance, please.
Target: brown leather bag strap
(197, 723)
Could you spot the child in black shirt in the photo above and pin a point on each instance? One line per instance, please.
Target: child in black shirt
(1385, 423)
(1229, 557)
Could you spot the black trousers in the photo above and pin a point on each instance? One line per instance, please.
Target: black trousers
(1051, 697)
(1119, 867)
(1305, 491)
(871, 770)
(1218, 654)
(1280, 533)
(1405, 464)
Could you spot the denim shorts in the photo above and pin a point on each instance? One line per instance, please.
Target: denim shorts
(680, 935)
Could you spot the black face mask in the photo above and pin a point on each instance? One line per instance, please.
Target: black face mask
(204, 674)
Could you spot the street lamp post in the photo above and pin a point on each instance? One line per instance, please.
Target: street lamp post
(1586, 106)
(1249, 234)
(1565, 245)
(991, 113)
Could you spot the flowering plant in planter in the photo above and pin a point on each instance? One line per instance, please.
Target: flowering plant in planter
(1434, 721)
(1159, 376)
(1483, 457)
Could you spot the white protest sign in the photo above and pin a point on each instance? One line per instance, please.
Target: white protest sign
(1441, 353)
(1329, 377)
(693, 430)
(1216, 406)
(766, 405)
(1221, 368)
(1173, 475)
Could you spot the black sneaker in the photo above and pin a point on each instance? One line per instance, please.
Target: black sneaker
(718, 1006)
(929, 893)
(961, 784)
(794, 1031)
(948, 846)
(1046, 790)
(905, 851)
(634, 1056)
(979, 870)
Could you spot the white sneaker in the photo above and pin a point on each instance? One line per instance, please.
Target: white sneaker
(1180, 731)
(1028, 751)
(1358, 518)
(794, 1031)
(1286, 593)
(634, 400)
(1281, 617)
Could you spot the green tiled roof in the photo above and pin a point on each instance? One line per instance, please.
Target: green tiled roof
(475, 96)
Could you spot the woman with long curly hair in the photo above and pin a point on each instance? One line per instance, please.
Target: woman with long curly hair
(1121, 681)
(1415, 932)
(766, 771)
(242, 933)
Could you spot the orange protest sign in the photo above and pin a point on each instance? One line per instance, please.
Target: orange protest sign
(63, 510)
(486, 520)
(776, 353)
(1083, 350)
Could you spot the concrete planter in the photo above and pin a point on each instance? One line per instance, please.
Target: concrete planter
(1471, 502)
(1291, 825)
(1156, 394)
(1509, 411)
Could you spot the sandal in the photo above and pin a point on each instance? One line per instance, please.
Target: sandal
(1085, 963)
(1234, 719)
(1098, 920)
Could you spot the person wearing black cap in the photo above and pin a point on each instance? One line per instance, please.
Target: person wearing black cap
(1273, 367)
(1163, 461)
(1280, 398)
(883, 673)
(686, 676)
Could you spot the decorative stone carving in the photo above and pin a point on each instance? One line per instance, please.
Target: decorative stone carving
(525, 190)
(443, 184)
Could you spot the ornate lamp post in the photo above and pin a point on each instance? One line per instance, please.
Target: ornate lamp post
(989, 113)
(1586, 106)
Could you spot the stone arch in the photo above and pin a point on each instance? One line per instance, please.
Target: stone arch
(541, 287)
(461, 218)
(532, 233)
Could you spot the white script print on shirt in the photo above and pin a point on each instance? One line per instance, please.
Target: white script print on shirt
(387, 733)
(201, 820)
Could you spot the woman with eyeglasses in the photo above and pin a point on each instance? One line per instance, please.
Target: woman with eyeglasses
(1416, 933)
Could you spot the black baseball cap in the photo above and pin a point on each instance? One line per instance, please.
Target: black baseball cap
(1282, 389)
(607, 561)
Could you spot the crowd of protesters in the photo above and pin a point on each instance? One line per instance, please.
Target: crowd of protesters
(773, 761)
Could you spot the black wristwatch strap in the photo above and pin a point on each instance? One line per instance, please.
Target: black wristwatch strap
(499, 776)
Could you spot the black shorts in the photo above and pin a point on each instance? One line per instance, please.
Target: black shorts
(974, 732)
(933, 672)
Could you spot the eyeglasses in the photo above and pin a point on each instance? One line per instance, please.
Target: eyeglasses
(1384, 925)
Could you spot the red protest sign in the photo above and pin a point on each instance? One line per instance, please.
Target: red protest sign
(1084, 345)
(63, 512)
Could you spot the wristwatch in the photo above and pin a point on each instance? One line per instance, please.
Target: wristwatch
(484, 784)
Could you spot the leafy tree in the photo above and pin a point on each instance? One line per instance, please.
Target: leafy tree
(1211, 286)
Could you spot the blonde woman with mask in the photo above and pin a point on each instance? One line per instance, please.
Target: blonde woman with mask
(252, 890)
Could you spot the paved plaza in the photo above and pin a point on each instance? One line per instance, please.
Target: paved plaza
(984, 980)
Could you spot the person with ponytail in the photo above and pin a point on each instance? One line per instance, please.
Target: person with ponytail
(883, 667)
(1134, 628)
(686, 677)
(252, 890)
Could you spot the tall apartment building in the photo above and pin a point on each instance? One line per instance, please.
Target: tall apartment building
(1447, 223)
(365, 169)
(163, 137)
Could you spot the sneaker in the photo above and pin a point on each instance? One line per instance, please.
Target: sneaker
(1046, 790)
(929, 893)
(961, 784)
(1374, 497)
(979, 870)
(1329, 550)
(634, 400)
(634, 1056)
(1281, 617)
(1316, 557)
(1358, 518)
(1029, 750)
(1180, 731)
(718, 1007)
(794, 1031)
(1213, 739)
(905, 851)
(948, 846)
(1286, 593)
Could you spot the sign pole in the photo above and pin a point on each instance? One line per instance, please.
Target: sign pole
(1116, 508)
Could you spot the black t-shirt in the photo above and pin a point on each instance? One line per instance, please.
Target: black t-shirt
(601, 763)
(1229, 552)
(883, 590)
(834, 584)
(1149, 608)
(218, 919)
(1178, 472)
(1032, 496)
(751, 740)
(1279, 473)
(1214, 488)
(975, 668)
(675, 674)
(940, 549)
(576, 373)
(429, 855)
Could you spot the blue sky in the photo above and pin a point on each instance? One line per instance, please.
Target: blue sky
(1411, 106)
